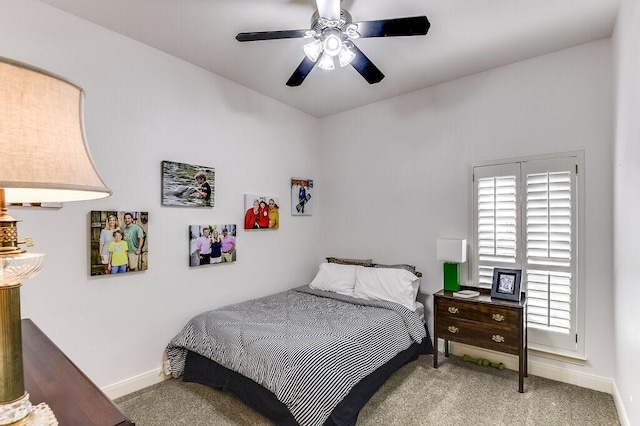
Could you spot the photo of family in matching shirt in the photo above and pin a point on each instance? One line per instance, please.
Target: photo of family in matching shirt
(211, 244)
(261, 212)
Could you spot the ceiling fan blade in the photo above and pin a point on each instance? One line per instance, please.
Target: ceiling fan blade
(365, 67)
(301, 72)
(329, 9)
(271, 35)
(415, 25)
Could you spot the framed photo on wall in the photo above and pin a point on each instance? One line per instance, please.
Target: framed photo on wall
(212, 244)
(118, 241)
(506, 284)
(301, 199)
(187, 185)
(261, 212)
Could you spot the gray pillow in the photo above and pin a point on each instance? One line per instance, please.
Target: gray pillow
(357, 262)
(409, 268)
(404, 266)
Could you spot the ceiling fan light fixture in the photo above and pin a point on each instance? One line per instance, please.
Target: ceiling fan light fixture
(326, 62)
(346, 55)
(313, 50)
(332, 44)
(331, 35)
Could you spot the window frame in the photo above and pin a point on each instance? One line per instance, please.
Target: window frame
(578, 234)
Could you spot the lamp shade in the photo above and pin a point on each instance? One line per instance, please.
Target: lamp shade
(451, 250)
(44, 156)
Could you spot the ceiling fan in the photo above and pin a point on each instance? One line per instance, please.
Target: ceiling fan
(332, 33)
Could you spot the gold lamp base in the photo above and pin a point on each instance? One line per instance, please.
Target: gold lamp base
(15, 265)
(15, 407)
(11, 374)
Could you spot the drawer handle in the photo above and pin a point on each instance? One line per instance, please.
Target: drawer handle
(453, 329)
(498, 317)
(453, 310)
(497, 338)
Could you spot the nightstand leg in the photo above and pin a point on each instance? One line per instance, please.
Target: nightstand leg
(522, 368)
(435, 352)
(521, 383)
(446, 348)
(526, 352)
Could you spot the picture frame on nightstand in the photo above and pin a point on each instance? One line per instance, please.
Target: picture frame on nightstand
(506, 284)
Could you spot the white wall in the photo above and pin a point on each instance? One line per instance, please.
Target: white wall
(395, 173)
(626, 206)
(142, 107)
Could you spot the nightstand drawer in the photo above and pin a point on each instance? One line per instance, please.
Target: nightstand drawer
(477, 334)
(486, 314)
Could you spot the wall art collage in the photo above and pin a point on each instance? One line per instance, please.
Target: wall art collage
(119, 239)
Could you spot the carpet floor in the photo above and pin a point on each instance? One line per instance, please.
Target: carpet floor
(457, 393)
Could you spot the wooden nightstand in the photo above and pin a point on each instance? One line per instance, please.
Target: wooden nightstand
(49, 376)
(499, 325)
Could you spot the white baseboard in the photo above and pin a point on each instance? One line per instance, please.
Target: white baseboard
(133, 384)
(622, 413)
(537, 368)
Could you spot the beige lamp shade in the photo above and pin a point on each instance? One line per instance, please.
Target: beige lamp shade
(451, 250)
(44, 156)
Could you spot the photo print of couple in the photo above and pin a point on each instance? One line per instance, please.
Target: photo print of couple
(187, 185)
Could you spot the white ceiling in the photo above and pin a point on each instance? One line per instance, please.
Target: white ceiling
(466, 37)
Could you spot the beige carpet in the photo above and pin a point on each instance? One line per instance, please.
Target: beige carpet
(457, 393)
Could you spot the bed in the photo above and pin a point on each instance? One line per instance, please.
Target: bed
(309, 356)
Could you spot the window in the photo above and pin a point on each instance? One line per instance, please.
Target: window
(526, 216)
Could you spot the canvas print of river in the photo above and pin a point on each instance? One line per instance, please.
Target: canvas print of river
(187, 185)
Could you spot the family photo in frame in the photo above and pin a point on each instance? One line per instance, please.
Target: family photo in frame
(118, 241)
(212, 244)
(261, 212)
(506, 284)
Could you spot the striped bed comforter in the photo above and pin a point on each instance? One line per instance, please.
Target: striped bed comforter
(308, 347)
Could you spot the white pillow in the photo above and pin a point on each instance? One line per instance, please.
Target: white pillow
(394, 285)
(335, 277)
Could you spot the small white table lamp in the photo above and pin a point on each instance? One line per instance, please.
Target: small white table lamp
(452, 252)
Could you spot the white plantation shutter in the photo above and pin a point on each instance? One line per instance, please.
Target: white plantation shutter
(548, 207)
(550, 260)
(496, 219)
(549, 296)
(525, 218)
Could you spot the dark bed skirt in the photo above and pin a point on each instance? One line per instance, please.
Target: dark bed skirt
(202, 370)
